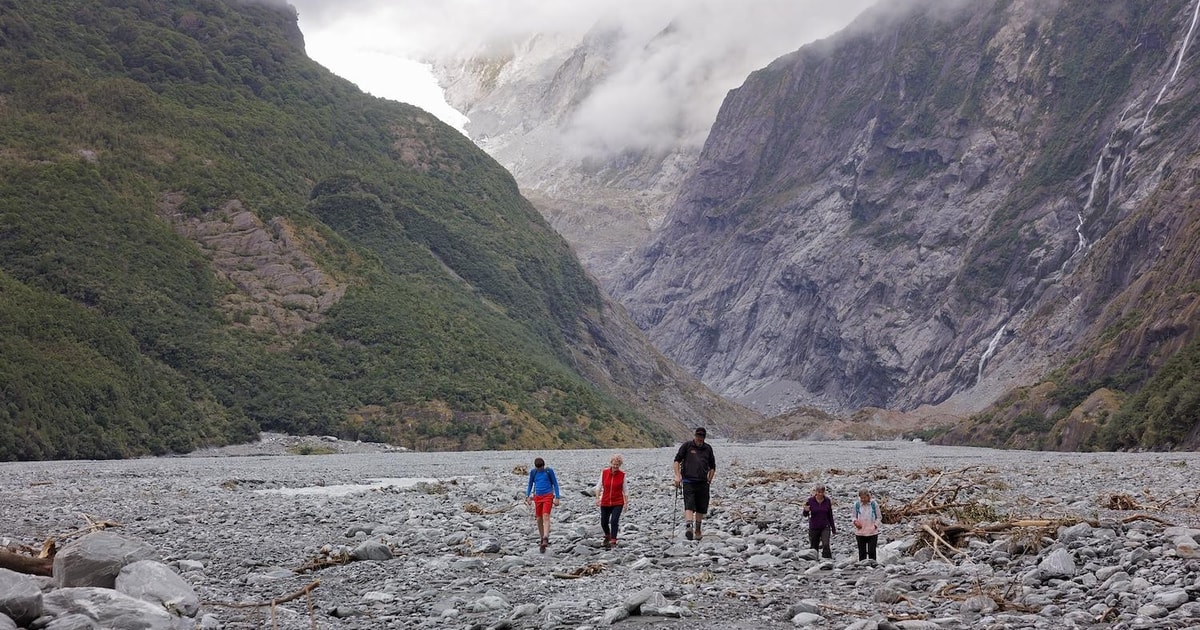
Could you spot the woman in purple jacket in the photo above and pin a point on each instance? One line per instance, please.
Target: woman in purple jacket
(819, 510)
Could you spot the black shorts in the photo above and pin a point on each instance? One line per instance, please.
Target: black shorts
(695, 496)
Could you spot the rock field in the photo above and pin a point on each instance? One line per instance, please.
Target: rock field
(443, 540)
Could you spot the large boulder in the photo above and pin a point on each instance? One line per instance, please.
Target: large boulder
(96, 559)
(156, 583)
(20, 597)
(371, 550)
(108, 608)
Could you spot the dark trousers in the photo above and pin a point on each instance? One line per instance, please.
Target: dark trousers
(610, 519)
(819, 539)
(866, 546)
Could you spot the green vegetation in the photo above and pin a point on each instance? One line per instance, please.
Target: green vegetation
(1165, 412)
(927, 434)
(76, 385)
(1082, 93)
(114, 341)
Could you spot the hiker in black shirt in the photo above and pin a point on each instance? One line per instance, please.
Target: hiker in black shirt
(695, 466)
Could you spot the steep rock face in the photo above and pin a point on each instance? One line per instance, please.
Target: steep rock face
(616, 356)
(521, 101)
(940, 203)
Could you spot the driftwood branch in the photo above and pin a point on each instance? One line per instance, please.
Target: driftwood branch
(93, 525)
(26, 564)
(272, 603)
(1147, 517)
(304, 592)
(1041, 523)
(937, 538)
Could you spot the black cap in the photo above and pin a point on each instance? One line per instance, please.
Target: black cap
(701, 432)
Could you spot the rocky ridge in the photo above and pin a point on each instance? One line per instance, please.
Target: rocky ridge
(424, 540)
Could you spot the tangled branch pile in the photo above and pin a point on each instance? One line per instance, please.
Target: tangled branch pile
(588, 569)
(324, 561)
(699, 578)
(1121, 502)
(943, 498)
(1124, 502)
(948, 496)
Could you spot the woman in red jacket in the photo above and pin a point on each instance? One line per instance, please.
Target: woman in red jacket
(610, 496)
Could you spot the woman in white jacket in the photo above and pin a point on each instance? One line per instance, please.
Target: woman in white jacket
(866, 525)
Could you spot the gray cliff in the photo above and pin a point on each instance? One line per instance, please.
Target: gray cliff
(941, 203)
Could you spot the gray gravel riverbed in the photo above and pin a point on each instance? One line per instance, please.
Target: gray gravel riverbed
(238, 523)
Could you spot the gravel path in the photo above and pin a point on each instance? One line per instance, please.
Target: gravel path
(237, 524)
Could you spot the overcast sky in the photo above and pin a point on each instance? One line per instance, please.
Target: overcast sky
(680, 79)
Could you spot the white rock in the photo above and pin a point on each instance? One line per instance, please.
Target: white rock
(763, 561)
(489, 603)
(1187, 547)
(807, 619)
(378, 597)
(1059, 564)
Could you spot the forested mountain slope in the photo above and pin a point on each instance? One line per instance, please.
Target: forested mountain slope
(203, 234)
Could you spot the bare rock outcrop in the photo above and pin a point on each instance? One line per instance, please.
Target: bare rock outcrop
(277, 286)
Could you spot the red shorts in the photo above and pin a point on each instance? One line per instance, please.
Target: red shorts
(542, 504)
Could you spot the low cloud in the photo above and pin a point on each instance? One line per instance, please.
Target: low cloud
(674, 60)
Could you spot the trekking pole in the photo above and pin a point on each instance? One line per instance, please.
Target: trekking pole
(675, 513)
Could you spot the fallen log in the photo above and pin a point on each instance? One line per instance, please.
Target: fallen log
(1040, 523)
(26, 564)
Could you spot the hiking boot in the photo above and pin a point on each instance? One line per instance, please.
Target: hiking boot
(688, 534)
(608, 542)
(613, 542)
(542, 546)
(699, 536)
